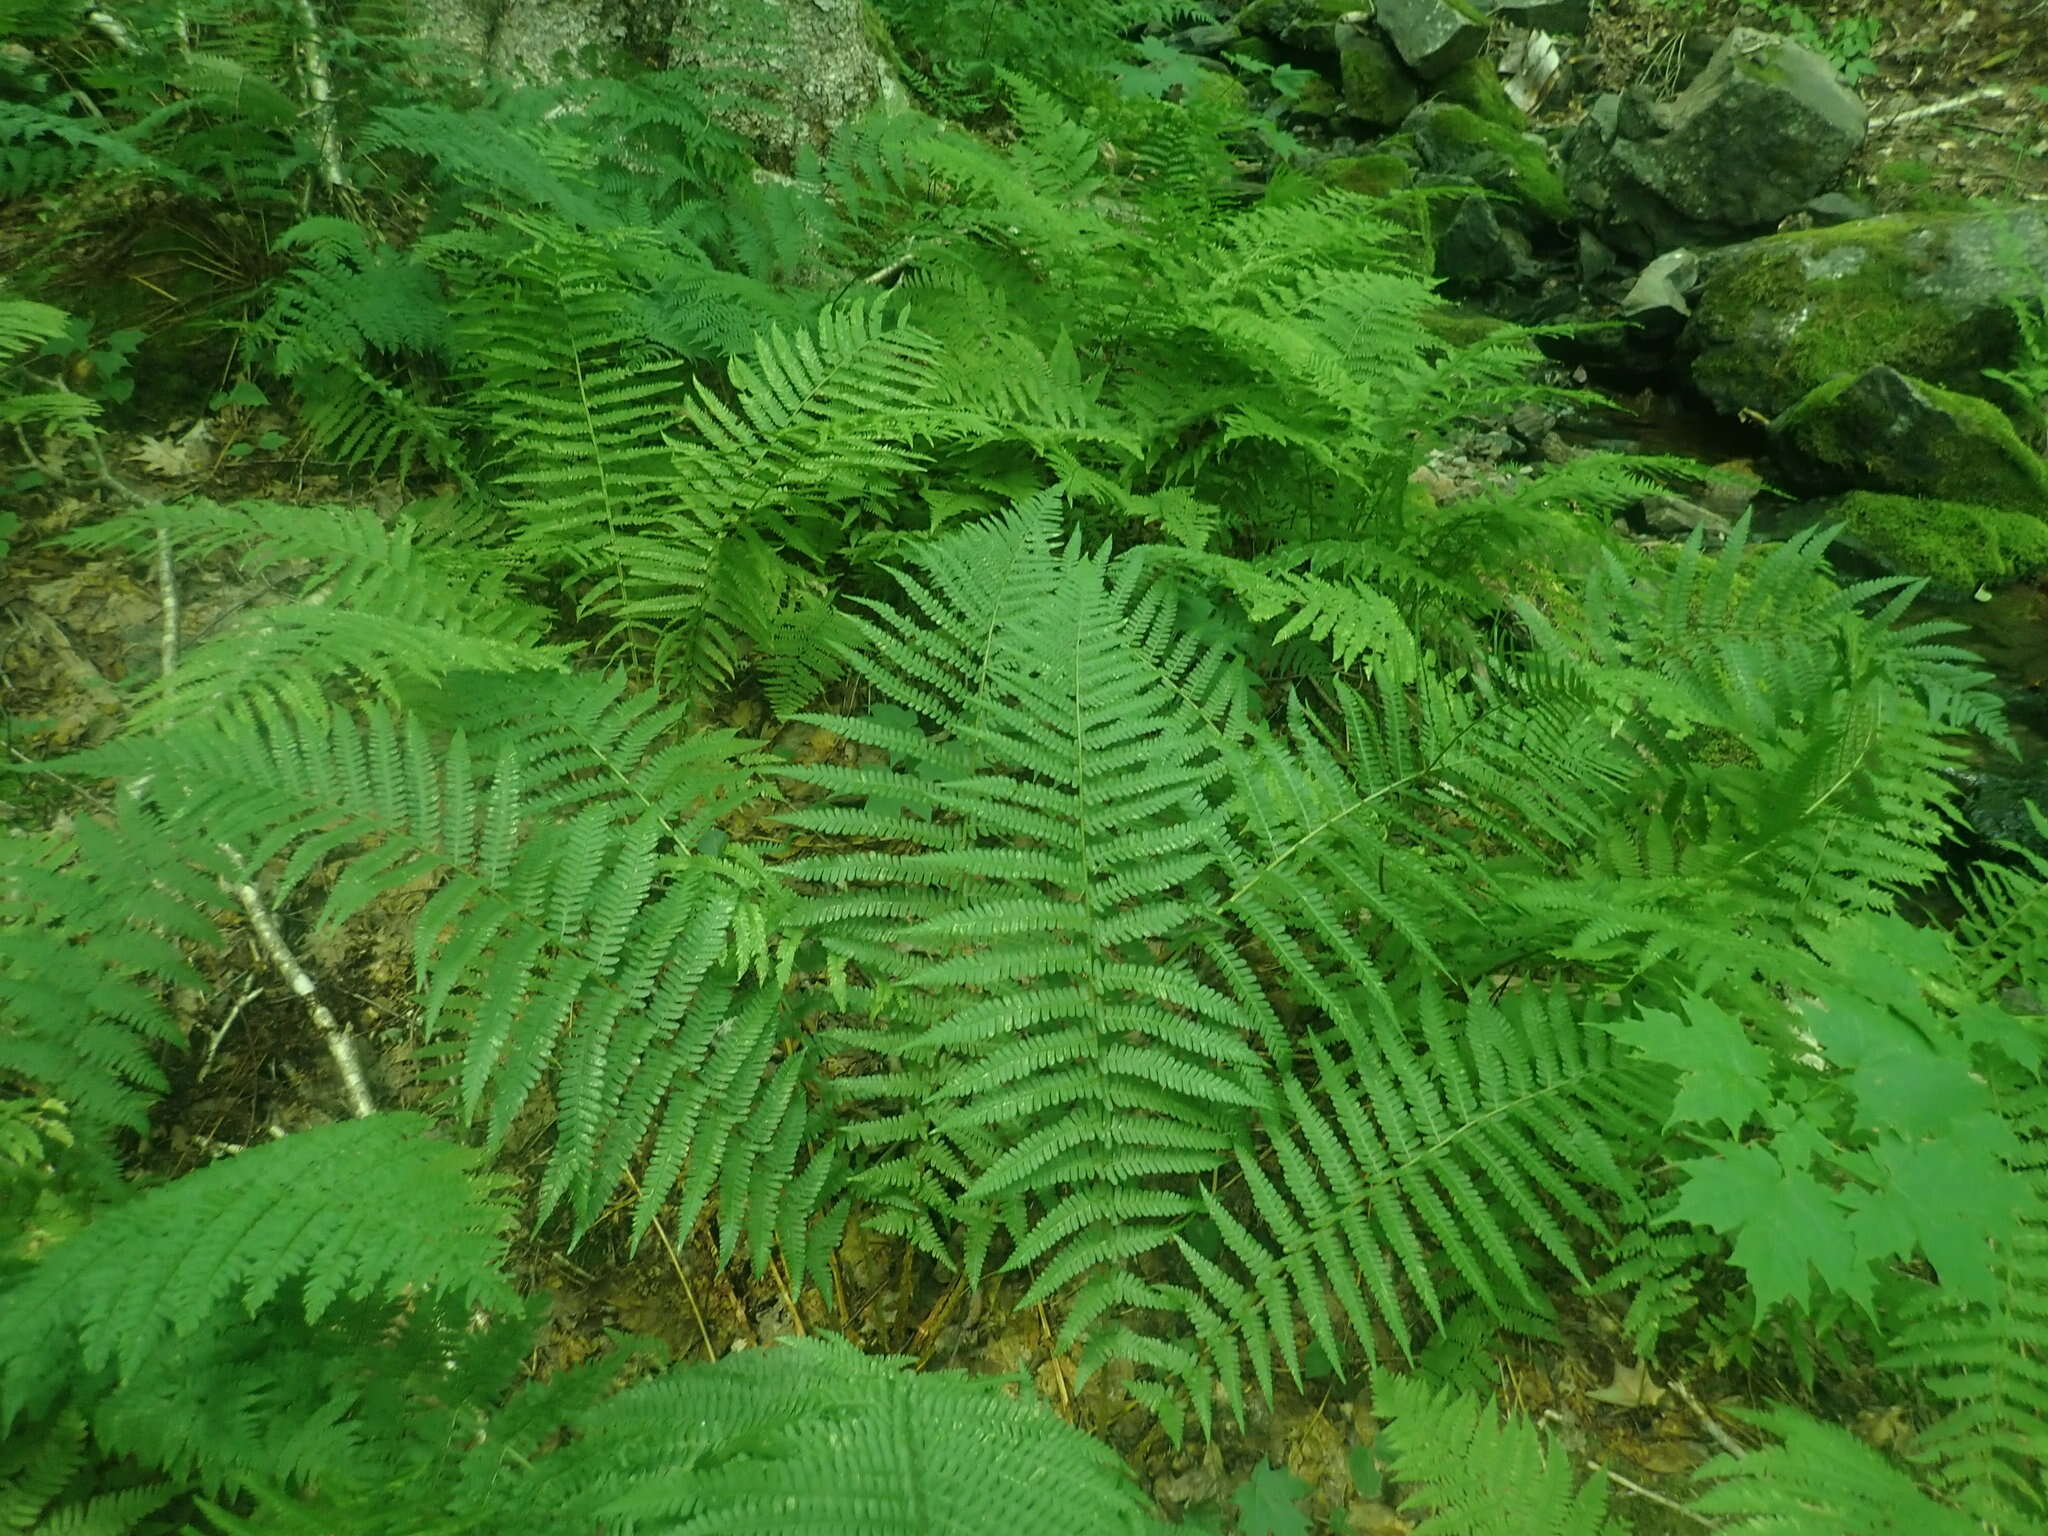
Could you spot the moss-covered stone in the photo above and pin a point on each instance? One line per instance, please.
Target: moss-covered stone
(1784, 314)
(1305, 24)
(1458, 141)
(1377, 88)
(1956, 544)
(1883, 430)
(1367, 175)
(1476, 85)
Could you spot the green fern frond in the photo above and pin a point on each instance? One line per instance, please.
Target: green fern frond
(818, 421)
(811, 1436)
(40, 1492)
(1988, 1364)
(578, 933)
(89, 947)
(2002, 938)
(382, 603)
(1475, 1474)
(1391, 1168)
(1032, 878)
(1822, 1481)
(372, 1207)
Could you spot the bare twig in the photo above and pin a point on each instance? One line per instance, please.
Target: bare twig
(1649, 1493)
(264, 921)
(1712, 1425)
(1936, 108)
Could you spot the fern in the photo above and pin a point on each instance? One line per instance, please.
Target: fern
(40, 1475)
(1985, 1362)
(365, 1208)
(1821, 1482)
(88, 949)
(817, 424)
(1476, 1475)
(386, 605)
(813, 1436)
(1392, 1169)
(2003, 933)
(1049, 1048)
(575, 934)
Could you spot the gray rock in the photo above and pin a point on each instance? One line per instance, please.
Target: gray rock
(1476, 248)
(1676, 517)
(1433, 37)
(1664, 286)
(1832, 208)
(1766, 127)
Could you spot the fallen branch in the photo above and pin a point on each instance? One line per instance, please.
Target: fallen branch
(1936, 108)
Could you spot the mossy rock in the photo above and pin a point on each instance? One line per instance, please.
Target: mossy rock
(1779, 316)
(1457, 141)
(1884, 430)
(1957, 544)
(1305, 24)
(1368, 175)
(1476, 86)
(1377, 87)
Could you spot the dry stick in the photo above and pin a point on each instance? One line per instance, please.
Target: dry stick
(339, 1045)
(1649, 1493)
(1722, 1438)
(243, 888)
(1936, 108)
(675, 1262)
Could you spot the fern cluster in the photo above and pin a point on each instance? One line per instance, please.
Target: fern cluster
(1267, 919)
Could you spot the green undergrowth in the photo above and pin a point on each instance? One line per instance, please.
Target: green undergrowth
(1222, 904)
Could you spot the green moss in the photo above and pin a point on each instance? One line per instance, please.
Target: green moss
(1528, 174)
(1475, 85)
(1903, 173)
(1958, 544)
(1377, 89)
(1980, 459)
(1367, 175)
(1852, 288)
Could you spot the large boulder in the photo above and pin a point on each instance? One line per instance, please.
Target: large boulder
(1930, 295)
(1765, 127)
(1882, 430)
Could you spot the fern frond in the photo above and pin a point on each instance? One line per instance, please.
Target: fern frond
(817, 422)
(1988, 1363)
(384, 604)
(811, 1436)
(2002, 937)
(89, 947)
(372, 1207)
(1476, 1474)
(1032, 880)
(1821, 1482)
(1392, 1168)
